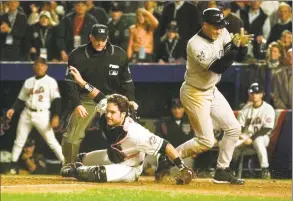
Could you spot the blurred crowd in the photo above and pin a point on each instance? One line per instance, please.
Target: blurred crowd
(149, 31)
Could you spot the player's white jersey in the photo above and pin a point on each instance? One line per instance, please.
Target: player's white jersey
(201, 53)
(39, 93)
(138, 142)
(253, 119)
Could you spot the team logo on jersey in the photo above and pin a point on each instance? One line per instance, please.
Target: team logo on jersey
(186, 128)
(113, 72)
(269, 120)
(37, 91)
(152, 140)
(201, 56)
(113, 66)
(101, 30)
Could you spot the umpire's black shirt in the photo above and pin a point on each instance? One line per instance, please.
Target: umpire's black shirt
(107, 70)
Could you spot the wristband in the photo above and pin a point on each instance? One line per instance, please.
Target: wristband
(88, 87)
(179, 163)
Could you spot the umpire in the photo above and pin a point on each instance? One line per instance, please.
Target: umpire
(103, 65)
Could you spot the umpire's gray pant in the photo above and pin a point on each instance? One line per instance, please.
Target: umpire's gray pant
(75, 131)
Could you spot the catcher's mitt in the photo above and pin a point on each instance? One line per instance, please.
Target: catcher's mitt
(185, 177)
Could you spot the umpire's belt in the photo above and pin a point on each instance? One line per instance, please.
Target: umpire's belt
(35, 110)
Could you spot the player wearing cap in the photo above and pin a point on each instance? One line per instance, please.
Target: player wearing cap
(257, 121)
(40, 98)
(30, 161)
(209, 53)
(103, 65)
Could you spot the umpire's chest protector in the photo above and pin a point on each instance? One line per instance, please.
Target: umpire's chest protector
(101, 70)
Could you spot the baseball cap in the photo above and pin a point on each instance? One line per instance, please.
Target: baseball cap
(100, 31)
(255, 88)
(222, 5)
(172, 26)
(215, 17)
(29, 142)
(115, 7)
(176, 103)
(41, 60)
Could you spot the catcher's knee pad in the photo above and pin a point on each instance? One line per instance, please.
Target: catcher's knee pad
(79, 157)
(92, 173)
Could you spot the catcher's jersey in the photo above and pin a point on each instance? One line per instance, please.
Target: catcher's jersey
(138, 142)
(201, 53)
(253, 119)
(39, 93)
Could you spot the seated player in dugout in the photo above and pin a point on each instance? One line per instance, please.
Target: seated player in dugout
(257, 121)
(31, 162)
(129, 143)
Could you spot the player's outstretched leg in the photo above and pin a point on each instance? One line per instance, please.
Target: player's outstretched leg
(223, 176)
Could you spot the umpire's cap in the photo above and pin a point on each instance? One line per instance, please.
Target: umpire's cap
(255, 88)
(214, 17)
(100, 31)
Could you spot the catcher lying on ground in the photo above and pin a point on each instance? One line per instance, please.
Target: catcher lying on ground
(128, 141)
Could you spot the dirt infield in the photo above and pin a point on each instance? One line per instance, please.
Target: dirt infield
(44, 184)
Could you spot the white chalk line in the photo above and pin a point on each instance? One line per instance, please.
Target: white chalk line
(43, 185)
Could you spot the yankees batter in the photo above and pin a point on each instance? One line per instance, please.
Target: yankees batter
(209, 53)
(40, 98)
(129, 143)
(257, 120)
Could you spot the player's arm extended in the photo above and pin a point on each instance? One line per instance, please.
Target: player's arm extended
(93, 92)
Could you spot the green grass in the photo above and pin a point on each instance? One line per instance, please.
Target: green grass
(127, 195)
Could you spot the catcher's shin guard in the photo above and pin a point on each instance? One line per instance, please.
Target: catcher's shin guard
(92, 173)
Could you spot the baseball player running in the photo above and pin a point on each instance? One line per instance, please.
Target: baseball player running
(257, 120)
(40, 98)
(129, 143)
(209, 53)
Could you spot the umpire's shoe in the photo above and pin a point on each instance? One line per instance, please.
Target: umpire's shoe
(163, 167)
(223, 176)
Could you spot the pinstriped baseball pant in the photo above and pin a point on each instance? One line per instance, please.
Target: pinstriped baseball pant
(202, 107)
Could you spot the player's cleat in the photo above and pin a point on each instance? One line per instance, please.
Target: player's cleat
(185, 177)
(265, 173)
(68, 170)
(223, 176)
(163, 167)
